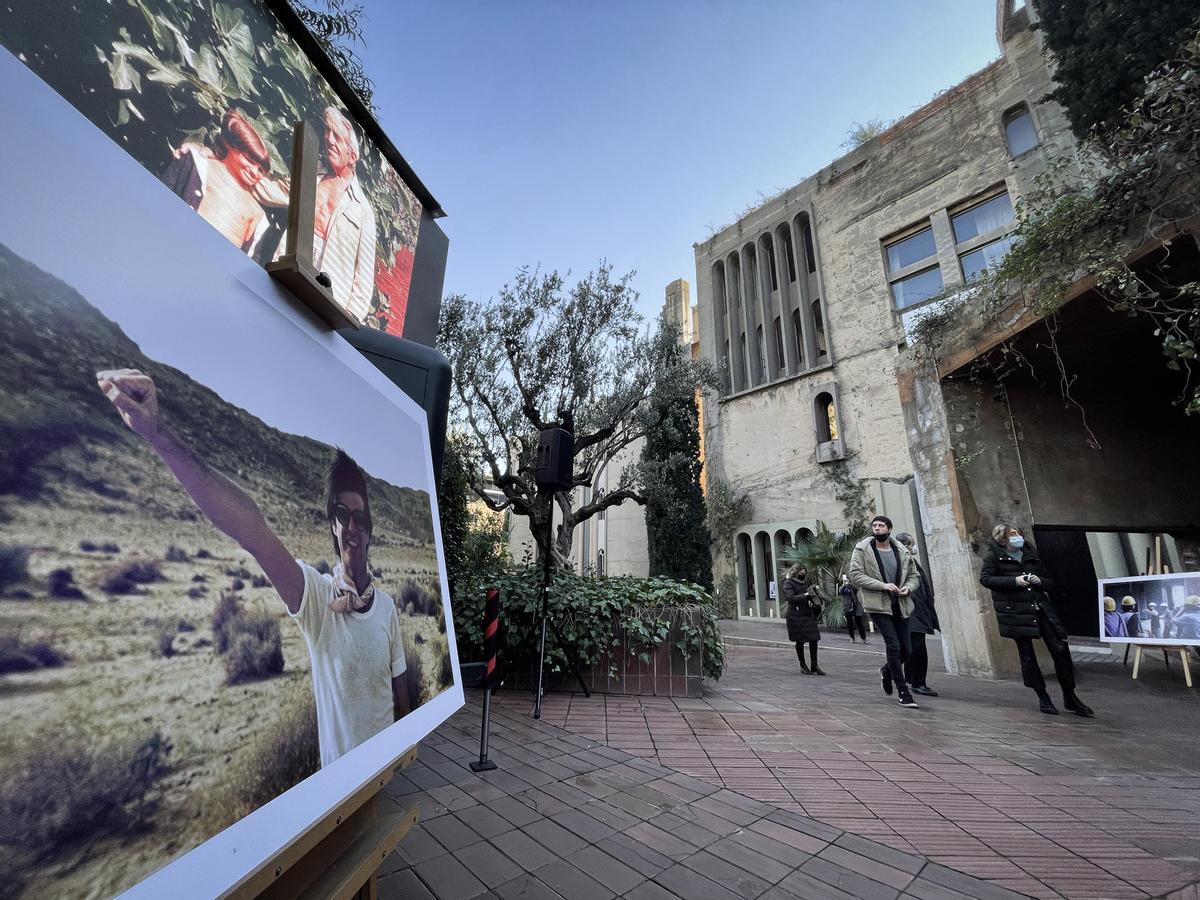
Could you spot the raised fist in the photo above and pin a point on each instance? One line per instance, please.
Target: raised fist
(132, 393)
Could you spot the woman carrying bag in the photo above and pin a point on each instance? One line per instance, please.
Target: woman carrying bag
(802, 613)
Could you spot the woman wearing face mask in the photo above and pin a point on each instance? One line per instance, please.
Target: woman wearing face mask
(1013, 572)
(803, 610)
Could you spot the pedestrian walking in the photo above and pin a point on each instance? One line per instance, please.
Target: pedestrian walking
(852, 609)
(884, 573)
(1013, 572)
(802, 617)
(923, 621)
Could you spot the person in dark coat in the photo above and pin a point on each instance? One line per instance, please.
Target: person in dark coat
(803, 610)
(924, 621)
(852, 609)
(1013, 572)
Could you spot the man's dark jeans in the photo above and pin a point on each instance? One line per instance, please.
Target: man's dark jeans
(918, 658)
(893, 627)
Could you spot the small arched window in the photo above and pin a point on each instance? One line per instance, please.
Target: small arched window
(826, 418)
(1019, 130)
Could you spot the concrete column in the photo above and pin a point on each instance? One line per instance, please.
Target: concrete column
(971, 638)
(745, 324)
(796, 362)
(760, 576)
(753, 313)
(737, 370)
(811, 356)
(943, 237)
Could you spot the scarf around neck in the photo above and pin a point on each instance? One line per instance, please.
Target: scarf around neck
(346, 597)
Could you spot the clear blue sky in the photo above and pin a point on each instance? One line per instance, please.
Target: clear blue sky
(562, 133)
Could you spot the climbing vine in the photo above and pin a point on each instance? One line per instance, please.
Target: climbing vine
(1133, 185)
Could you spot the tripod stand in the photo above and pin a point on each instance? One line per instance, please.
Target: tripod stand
(547, 578)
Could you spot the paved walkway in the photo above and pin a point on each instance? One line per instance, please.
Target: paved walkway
(566, 817)
(777, 784)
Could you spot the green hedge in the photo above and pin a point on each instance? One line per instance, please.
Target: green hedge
(589, 611)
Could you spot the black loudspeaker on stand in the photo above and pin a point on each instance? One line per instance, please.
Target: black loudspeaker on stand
(555, 466)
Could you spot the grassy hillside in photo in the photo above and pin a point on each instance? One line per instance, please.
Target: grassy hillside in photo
(152, 686)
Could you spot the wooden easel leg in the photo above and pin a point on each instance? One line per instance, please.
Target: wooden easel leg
(1187, 670)
(1137, 660)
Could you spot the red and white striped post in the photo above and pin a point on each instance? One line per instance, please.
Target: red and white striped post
(491, 641)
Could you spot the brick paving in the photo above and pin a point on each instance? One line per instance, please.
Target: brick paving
(779, 785)
(976, 780)
(568, 818)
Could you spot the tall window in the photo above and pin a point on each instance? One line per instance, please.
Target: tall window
(798, 336)
(769, 247)
(913, 272)
(826, 418)
(786, 236)
(1019, 131)
(819, 328)
(779, 355)
(982, 234)
(810, 254)
(762, 354)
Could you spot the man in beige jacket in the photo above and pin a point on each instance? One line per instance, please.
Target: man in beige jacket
(884, 573)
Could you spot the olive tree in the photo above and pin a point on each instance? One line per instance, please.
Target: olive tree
(544, 353)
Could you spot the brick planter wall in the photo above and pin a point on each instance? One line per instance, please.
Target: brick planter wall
(667, 673)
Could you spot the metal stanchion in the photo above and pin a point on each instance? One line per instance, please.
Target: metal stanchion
(491, 635)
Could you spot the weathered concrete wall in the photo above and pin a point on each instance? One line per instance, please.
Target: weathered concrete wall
(763, 440)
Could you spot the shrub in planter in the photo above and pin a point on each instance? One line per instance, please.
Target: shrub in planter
(591, 614)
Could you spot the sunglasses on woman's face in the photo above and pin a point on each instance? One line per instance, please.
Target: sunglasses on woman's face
(345, 515)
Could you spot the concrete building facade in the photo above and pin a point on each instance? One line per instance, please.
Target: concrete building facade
(825, 414)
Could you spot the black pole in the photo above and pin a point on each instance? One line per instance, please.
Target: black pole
(491, 630)
(546, 579)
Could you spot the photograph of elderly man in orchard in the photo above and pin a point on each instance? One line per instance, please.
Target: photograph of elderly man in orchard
(883, 571)
(1013, 571)
(350, 626)
(344, 226)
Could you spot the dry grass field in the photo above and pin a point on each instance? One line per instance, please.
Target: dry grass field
(128, 738)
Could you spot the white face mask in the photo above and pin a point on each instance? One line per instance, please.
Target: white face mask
(1016, 541)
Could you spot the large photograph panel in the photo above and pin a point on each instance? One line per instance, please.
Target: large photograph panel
(219, 570)
(1150, 609)
(205, 96)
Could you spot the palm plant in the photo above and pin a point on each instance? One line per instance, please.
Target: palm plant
(826, 556)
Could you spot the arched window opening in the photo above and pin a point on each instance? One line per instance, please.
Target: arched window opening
(810, 253)
(789, 252)
(745, 563)
(798, 335)
(762, 354)
(745, 364)
(779, 355)
(826, 418)
(819, 327)
(804, 536)
(769, 251)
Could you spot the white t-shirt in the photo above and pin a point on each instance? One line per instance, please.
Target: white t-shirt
(355, 656)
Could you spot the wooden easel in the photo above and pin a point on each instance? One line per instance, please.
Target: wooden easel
(338, 856)
(1157, 568)
(1166, 648)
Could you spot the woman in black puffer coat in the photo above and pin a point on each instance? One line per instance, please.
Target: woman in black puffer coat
(802, 613)
(1013, 572)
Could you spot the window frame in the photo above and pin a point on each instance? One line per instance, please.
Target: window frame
(980, 240)
(1013, 113)
(919, 267)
